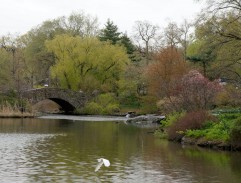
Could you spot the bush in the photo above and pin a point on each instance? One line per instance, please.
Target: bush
(93, 108)
(230, 97)
(169, 120)
(131, 101)
(172, 118)
(190, 121)
(235, 134)
(216, 131)
(169, 105)
(148, 104)
(102, 104)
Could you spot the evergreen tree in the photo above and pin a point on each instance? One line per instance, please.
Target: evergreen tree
(125, 41)
(110, 33)
(130, 48)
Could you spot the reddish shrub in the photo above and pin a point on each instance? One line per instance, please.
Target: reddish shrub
(190, 121)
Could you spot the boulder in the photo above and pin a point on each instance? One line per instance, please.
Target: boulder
(149, 120)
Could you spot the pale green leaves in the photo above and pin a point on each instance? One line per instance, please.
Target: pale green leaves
(82, 62)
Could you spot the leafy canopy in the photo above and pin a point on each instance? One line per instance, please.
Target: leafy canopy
(87, 63)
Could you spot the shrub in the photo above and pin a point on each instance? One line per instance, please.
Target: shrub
(235, 134)
(131, 101)
(148, 104)
(169, 120)
(93, 108)
(172, 118)
(169, 105)
(230, 97)
(102, 104)
(219, 130)
(190, 121)
(111, 108)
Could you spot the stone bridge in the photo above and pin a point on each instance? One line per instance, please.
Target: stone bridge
(67, 99)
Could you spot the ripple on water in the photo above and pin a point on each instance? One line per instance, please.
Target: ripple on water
(14, 152)
(67, 151)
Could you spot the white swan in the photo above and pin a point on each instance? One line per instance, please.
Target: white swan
(102, 161)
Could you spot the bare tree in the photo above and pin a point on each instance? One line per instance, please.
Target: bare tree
(172, 35)
(186, 36)
(218, 6)
(10, 44)
(145, 33)
(80, 24)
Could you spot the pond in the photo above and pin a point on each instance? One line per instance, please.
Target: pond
(66, 149)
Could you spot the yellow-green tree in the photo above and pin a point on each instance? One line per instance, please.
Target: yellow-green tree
(87, 63)
(6, 81)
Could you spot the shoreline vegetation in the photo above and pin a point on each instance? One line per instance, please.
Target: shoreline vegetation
(11, 107)
(8, 112)
(216, 129)
(220, 129)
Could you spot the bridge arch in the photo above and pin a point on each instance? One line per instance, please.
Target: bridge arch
(67, 99)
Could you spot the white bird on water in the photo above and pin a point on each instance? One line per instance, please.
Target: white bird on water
(102, 161)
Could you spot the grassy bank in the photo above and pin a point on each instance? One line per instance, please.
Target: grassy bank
(221, 130)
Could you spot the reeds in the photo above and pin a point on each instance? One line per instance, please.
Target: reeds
(8, 110)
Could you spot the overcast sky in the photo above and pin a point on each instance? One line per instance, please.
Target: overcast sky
(19, 16)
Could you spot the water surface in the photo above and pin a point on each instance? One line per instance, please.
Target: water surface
(66, 150)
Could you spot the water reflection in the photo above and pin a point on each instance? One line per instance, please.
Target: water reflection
(42, 150)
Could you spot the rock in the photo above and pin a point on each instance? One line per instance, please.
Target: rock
(149, 120)
(130, 114)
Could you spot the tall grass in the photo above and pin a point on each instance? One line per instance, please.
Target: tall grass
(13, 110)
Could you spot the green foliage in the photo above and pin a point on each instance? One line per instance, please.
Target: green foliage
(127, 94)
(216, 131)
(148, 104)
(81, 61)
(167, 122)
(131, 101)
(110, 33)
(171, 118)
(220, 130)
(125, 40)
(5, 70)
(235, 134)
(37, 60)
(11, 101)
(103, 104)
(190, 121)
(93, 108)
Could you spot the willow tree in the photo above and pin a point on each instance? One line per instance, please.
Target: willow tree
(87, 63)
(37, 60)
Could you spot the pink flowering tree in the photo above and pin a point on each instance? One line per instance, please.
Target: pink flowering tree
(196, 92)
